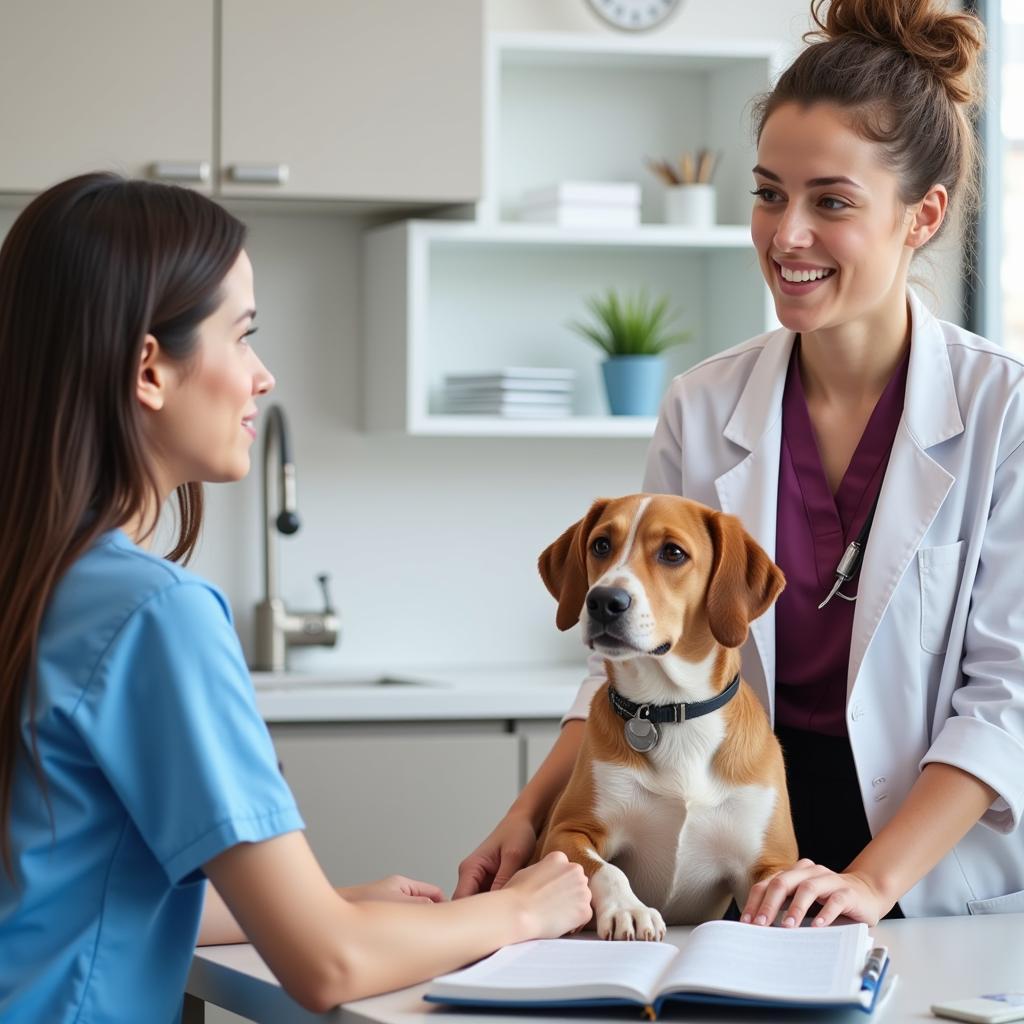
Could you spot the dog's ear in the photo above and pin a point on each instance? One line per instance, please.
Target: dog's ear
(563, 567)
(744, 580)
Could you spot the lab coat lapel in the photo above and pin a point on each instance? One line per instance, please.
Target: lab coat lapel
(915, 485)
(750, 489)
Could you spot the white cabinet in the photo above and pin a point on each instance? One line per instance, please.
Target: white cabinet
(313, 99)
(352, 99)
(538, 739)
(405, 798)
(117, 84)
(442, 297)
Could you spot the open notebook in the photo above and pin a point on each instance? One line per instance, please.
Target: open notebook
(720, 962)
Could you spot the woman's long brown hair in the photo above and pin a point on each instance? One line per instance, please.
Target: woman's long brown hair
(88, 269)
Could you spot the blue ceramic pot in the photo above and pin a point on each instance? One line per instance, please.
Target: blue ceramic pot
(635, 384)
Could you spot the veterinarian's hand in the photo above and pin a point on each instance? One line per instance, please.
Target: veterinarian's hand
(393, 889)
(555, 896)
(497, 858)
(806, 884)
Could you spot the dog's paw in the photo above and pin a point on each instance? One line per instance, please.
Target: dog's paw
(629, 923)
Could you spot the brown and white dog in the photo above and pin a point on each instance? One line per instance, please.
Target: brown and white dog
(665, 589)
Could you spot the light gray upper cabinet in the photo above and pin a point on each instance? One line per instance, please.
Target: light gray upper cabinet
(111, 84)
(318, 99)
(348, 99)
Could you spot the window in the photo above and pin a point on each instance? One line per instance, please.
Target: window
(1010, 207)
(996, 295)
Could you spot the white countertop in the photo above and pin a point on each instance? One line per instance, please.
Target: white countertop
(934, 959)
(430, 694)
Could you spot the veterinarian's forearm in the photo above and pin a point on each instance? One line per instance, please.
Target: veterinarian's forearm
(943, 805)
(541, 792)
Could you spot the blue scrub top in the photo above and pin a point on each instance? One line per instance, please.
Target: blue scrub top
(155, 760)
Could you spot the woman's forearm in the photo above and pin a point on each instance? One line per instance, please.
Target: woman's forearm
(941, 807)
(325, 950)
(550, 779)
(391, 945)
(218, 927)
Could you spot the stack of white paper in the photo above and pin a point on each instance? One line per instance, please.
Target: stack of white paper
(598, 204)
(519, 392)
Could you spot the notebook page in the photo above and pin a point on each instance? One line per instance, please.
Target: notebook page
(562, 969)
(798, 964)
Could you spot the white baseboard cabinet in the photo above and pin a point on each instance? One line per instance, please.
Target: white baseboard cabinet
(408, 798)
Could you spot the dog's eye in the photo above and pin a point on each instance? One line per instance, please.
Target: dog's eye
(601, 547)
(672, 553)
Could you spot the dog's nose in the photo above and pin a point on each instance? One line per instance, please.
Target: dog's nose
(607, 603)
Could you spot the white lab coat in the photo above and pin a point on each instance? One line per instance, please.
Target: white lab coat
(937, 653)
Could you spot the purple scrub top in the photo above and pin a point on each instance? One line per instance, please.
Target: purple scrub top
(812, 647)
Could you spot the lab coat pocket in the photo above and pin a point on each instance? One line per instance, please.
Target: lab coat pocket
(939, 569)
(1011, 903)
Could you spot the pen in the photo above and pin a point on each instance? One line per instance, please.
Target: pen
(874, 963)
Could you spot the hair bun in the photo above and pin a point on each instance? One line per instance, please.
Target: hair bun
(946, 44)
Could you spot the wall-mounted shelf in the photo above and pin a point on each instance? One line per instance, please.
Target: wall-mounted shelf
(440, 425)
(446, 296)
(560, 106)
(668, 236)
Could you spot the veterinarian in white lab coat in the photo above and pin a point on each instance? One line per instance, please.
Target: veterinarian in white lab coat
(864, 149)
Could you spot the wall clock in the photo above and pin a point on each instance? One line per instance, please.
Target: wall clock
(634, 15)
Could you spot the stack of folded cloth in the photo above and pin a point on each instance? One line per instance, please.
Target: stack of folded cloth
(519, 392)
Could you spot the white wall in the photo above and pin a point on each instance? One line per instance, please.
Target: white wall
(782, 20)
(432, 543)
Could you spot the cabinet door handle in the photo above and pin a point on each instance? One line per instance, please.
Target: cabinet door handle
(197, 171)
(259, 174)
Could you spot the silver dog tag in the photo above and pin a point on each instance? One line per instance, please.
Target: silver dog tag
(641, 734)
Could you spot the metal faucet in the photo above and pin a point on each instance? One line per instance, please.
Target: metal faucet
(277, 628)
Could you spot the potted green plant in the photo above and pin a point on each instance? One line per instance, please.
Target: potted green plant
(634, 331)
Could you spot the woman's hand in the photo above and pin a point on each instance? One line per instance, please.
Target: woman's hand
(498, 857)
(806, 883)
(555, 894)
(393, 889)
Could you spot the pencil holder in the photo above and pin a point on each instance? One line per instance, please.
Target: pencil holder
(692, 205)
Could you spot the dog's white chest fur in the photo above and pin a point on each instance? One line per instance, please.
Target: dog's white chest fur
(683, 838)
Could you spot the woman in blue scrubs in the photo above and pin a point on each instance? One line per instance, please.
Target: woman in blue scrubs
(133, 763)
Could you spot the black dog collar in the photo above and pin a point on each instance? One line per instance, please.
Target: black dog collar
(682, 712)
